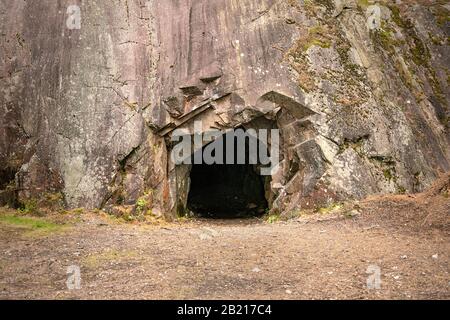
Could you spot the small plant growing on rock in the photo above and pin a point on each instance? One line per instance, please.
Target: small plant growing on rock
(29, 206)
(273, 218)
(141, 205)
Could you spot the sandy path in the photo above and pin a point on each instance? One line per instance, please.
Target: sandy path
(299, 259)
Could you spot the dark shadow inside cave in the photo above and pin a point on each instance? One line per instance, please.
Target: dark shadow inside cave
(6, 177)
(8, 192)
(227, 190)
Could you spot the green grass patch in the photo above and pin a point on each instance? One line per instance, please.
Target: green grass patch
(31, 225)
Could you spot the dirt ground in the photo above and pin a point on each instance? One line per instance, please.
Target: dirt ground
(324, 255)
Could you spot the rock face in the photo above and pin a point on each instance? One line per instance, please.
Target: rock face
(71, 98)
(358, 92)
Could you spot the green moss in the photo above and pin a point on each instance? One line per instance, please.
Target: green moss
(317, 36)
(441, 14)
(49, 201)
(77, 211)
(363, 4)
(388, 174)
(401, 189)
(311, 6)
(331, 208)
(53, 201)
(385, 39)
(320, 43)
(308, 7)
(296, 55)
(29, 206)
(436, 87)
(273, 218)
(436, 40)
(420, 53)
(397, 18)
(53, 198)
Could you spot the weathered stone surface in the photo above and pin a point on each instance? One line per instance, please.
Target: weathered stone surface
(90, 112)
(75, 96)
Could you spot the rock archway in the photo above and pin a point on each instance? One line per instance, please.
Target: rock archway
(224, 190)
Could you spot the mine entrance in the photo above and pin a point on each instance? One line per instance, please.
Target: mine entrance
(227, 190)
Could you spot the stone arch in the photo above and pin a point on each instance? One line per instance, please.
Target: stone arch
(299, 151)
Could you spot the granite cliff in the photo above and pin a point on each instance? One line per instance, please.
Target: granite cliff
(358, 90)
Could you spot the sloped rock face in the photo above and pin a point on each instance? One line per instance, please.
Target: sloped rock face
(71, 98)
(359, 94)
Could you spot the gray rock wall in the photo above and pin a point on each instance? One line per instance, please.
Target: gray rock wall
(72, 99)
(89, 112)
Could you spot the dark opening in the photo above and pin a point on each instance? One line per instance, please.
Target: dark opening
(6, 177)
(8, 192)
(227, 190)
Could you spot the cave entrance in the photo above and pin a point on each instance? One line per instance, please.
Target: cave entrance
(227, 190)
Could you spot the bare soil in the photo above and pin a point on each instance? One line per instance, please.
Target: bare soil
(316, 256)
